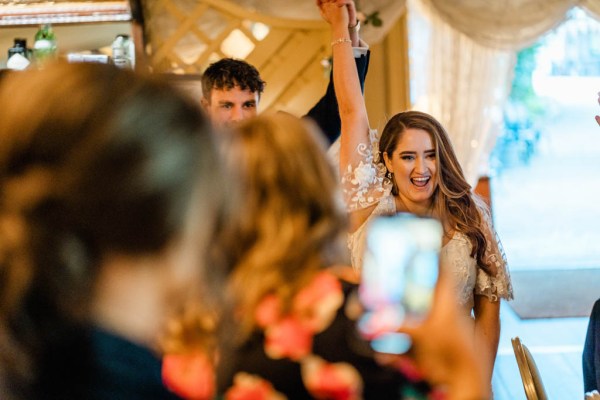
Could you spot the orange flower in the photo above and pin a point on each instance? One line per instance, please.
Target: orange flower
(317, 304)
(288, 338)
(251, 387)
(331, 381)
(190, 376)
(268, 311)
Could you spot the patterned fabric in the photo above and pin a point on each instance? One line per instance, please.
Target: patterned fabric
(471, 280)
(357, 240)
(312, 351)
(365, 184)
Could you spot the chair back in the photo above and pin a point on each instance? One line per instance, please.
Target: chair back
(530, 375)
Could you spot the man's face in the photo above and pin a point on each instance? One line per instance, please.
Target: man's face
(228, 106)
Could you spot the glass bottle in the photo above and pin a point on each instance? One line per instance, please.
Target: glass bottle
(19, 47)
(123, 51)
(44, 47)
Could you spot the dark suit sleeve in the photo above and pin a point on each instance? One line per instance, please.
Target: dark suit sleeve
(325, 113)
(591, 352)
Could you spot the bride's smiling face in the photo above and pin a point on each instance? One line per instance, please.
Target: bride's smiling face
(414, 165)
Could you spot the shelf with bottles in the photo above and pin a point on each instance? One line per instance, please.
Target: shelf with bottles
(93, 43)
(20, 13)
(85, 29)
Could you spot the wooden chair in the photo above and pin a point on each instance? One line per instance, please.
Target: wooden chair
(532, 381)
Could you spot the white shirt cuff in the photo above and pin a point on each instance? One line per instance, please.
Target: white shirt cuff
(361, 50)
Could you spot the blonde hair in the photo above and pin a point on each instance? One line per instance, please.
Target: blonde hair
(454, 202)
(292, 220)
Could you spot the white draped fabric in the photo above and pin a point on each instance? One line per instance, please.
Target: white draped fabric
(510, 24)
(462, 83)
(503, 24)
(389, 12)
(468, 62)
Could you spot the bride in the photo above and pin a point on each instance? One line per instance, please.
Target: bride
(412, 168)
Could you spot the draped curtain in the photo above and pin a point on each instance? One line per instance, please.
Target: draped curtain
(510, 24)
(470, 55)
(388, 10)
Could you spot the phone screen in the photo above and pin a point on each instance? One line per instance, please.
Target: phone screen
(400, 271)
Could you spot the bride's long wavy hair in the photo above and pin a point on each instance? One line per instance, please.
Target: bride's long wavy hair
(454, 202)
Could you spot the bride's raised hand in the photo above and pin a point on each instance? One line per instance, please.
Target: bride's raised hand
(334, 12)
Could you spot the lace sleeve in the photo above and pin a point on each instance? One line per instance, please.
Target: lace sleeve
(365, 183)
(498, 286)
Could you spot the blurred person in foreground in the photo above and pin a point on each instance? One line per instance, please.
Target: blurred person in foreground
(110, 189)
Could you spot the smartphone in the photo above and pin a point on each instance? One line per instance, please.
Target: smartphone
(399, 274)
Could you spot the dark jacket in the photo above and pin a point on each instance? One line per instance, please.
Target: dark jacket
(325, 113)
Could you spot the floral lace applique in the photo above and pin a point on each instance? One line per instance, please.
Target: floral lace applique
(455, 256)
(472, 280)
(364, 184)
(356, 241)
(498, 286)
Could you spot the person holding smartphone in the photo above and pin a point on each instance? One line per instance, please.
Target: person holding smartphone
(411, 167)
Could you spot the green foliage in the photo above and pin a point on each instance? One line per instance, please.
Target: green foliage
(522, 88)
(373, 19)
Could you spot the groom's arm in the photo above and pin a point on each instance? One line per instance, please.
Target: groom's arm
(325, 113)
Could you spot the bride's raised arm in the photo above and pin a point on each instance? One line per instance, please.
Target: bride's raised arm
(360, 169)
(353, 113)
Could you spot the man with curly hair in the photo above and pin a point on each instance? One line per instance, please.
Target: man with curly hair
(231, 90)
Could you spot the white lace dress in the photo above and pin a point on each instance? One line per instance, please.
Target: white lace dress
(364, 185)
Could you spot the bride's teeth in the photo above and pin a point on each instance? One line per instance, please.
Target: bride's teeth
(421, 181)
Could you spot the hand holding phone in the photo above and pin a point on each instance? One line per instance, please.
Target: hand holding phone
(400, 271)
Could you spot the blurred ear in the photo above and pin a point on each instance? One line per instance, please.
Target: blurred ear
(205, 103)
(388, 162)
